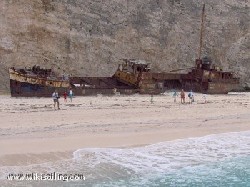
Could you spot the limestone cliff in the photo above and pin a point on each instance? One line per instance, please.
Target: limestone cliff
(88, 37)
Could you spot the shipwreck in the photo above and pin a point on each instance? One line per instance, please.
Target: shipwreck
(132, 76)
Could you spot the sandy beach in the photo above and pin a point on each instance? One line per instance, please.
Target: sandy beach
(32, 131)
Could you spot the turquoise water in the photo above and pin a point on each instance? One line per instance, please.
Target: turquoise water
(215, 160)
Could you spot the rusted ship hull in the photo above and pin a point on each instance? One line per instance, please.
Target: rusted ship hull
(23, 83)
(219, 87)
(84, 86)
(204, 78)
(211, 87)
(24, 89)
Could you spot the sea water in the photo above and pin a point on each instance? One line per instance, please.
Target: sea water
(214, 160)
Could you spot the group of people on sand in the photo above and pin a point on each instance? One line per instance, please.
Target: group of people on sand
(55, 97)
(183, 96)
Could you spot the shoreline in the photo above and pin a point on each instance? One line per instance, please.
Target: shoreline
(40, 156)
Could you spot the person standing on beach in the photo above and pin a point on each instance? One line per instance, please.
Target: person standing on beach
(204, 98)
(175, 95)
(191, 97)
(65, 96)
(56, 97)
(70, 94)
(182, 96)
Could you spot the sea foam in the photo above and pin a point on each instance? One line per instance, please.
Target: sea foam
(170, 155)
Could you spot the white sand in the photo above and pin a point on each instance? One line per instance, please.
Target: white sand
(31, 128)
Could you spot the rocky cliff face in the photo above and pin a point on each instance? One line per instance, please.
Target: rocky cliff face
(88, 37)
